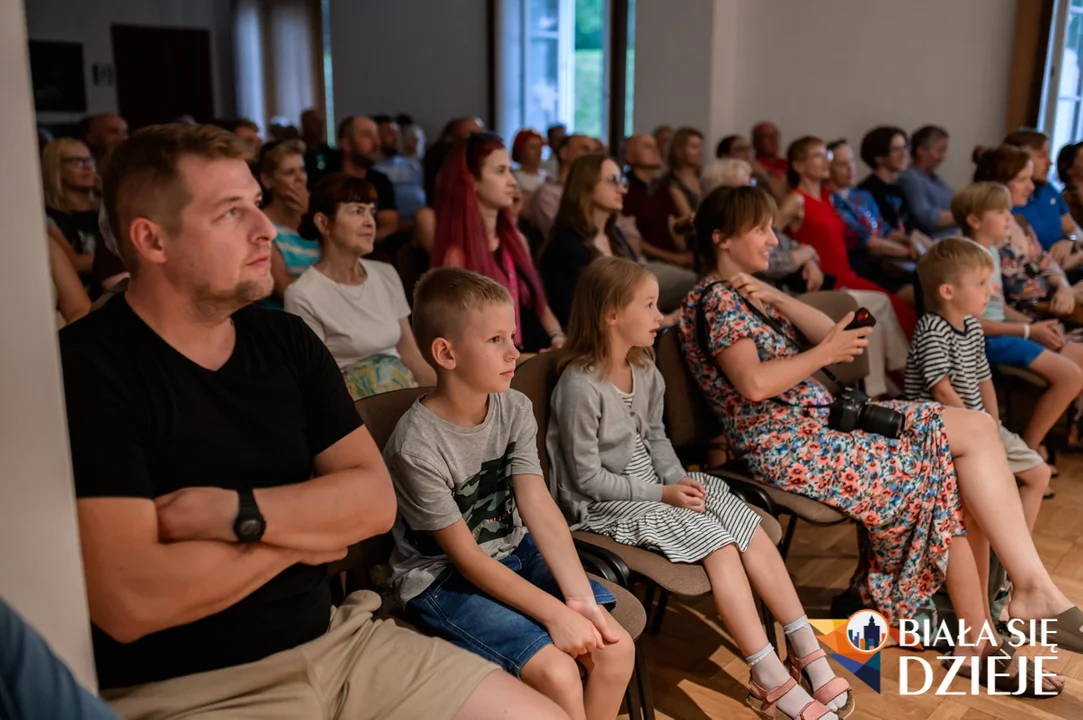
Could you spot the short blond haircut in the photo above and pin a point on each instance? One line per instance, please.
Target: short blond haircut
(143, 178)
(978, 199)
(277, 152)
(946, 262)
(443, 300)
(724, 173)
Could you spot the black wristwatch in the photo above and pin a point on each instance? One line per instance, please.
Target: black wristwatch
(250, 525)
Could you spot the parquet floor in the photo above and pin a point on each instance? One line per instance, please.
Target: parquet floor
(697, 674)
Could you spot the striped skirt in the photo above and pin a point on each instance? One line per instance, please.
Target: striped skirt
(680, 534)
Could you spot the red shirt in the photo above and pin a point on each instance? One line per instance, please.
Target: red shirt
(776, 167)
(825, 231)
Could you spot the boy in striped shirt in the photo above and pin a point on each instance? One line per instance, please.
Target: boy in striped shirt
(947, 360)
(947, 364)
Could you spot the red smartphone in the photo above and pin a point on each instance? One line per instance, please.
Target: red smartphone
(862, 318)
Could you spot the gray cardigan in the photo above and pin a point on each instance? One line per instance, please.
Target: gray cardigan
(591, 439)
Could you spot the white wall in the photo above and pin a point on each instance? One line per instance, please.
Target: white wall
(673, 63)
(89, 21)
(834, 68)
(41, 571)
(422, 57)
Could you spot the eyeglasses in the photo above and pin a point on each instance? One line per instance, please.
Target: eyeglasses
(618, 180)
(899, 148)
(80, 162)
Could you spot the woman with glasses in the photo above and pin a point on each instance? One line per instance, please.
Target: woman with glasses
(475, 230)
(871, 242)
(821, 227)
(886, 150)
(585, 228)
(70, 186)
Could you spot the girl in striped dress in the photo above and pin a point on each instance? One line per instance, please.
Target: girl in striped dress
(615, 473)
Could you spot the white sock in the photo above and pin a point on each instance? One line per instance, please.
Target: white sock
(803, 642)
(769, 673)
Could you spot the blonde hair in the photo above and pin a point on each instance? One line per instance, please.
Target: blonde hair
(607, 286)
(978, 199)
(443, 300)
(946, 261)
(680, 141)
(278, 152)
(52, 162)
(723, 173)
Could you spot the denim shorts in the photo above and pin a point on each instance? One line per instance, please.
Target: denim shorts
(1011, 350)
(456, 610)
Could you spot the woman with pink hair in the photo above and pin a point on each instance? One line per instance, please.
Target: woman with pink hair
(475, 230)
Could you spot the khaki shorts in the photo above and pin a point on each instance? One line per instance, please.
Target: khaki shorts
(1020, 456)
(361, 669)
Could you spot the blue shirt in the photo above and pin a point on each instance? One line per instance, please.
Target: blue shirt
(1044, 210)
(298, 253)
(406, 176)
(927, 195)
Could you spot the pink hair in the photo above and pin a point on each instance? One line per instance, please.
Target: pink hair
(459, 229)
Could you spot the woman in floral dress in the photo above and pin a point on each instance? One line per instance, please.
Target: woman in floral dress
(912, 495)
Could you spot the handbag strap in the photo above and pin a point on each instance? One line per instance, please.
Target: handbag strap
(702, 336)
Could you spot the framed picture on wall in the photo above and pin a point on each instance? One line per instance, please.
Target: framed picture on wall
(56, 70)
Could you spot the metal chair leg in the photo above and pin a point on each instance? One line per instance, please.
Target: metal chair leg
(791, 527)
(659, 612)
(643, 683)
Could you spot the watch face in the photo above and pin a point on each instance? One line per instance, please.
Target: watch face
(249, 528)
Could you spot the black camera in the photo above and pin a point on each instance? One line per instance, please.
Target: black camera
(862, 319)
(851, 410)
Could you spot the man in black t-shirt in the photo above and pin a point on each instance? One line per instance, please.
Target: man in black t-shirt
(219, 464)
(359, 144)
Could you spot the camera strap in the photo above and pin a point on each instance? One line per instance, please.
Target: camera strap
(702, 339)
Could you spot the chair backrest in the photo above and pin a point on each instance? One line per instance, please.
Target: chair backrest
(536, 379)
(380, 413)
(835, 305)
(689, 419)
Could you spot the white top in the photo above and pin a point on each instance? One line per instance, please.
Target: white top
(529, 183)
(354, 321)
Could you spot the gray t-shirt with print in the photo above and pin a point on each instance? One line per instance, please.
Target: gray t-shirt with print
(443, 472)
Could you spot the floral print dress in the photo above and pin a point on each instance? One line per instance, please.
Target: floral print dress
(902, 492)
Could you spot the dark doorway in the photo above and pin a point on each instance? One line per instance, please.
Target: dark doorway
(162, 73)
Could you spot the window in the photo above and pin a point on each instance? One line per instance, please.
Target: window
(554, 65)
(1062, 107)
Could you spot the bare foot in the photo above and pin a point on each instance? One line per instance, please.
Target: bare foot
(1037, 604)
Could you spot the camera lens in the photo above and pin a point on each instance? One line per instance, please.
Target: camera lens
(881, 420)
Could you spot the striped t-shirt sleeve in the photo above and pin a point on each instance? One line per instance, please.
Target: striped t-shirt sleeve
(929, 360)
(975, 336)
(938, 351)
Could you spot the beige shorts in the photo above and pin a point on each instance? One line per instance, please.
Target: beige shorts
(361, 669)
(1020, 456)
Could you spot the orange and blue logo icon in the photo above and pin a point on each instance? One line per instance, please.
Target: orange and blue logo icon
(855, 643)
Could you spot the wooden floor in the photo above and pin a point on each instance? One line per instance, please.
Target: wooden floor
(696, 672)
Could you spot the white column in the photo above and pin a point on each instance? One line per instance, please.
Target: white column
(41, 573)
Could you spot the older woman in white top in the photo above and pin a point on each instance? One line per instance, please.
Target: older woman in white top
(357, 307)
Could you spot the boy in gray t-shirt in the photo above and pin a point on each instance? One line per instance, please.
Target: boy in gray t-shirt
(464, 462)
